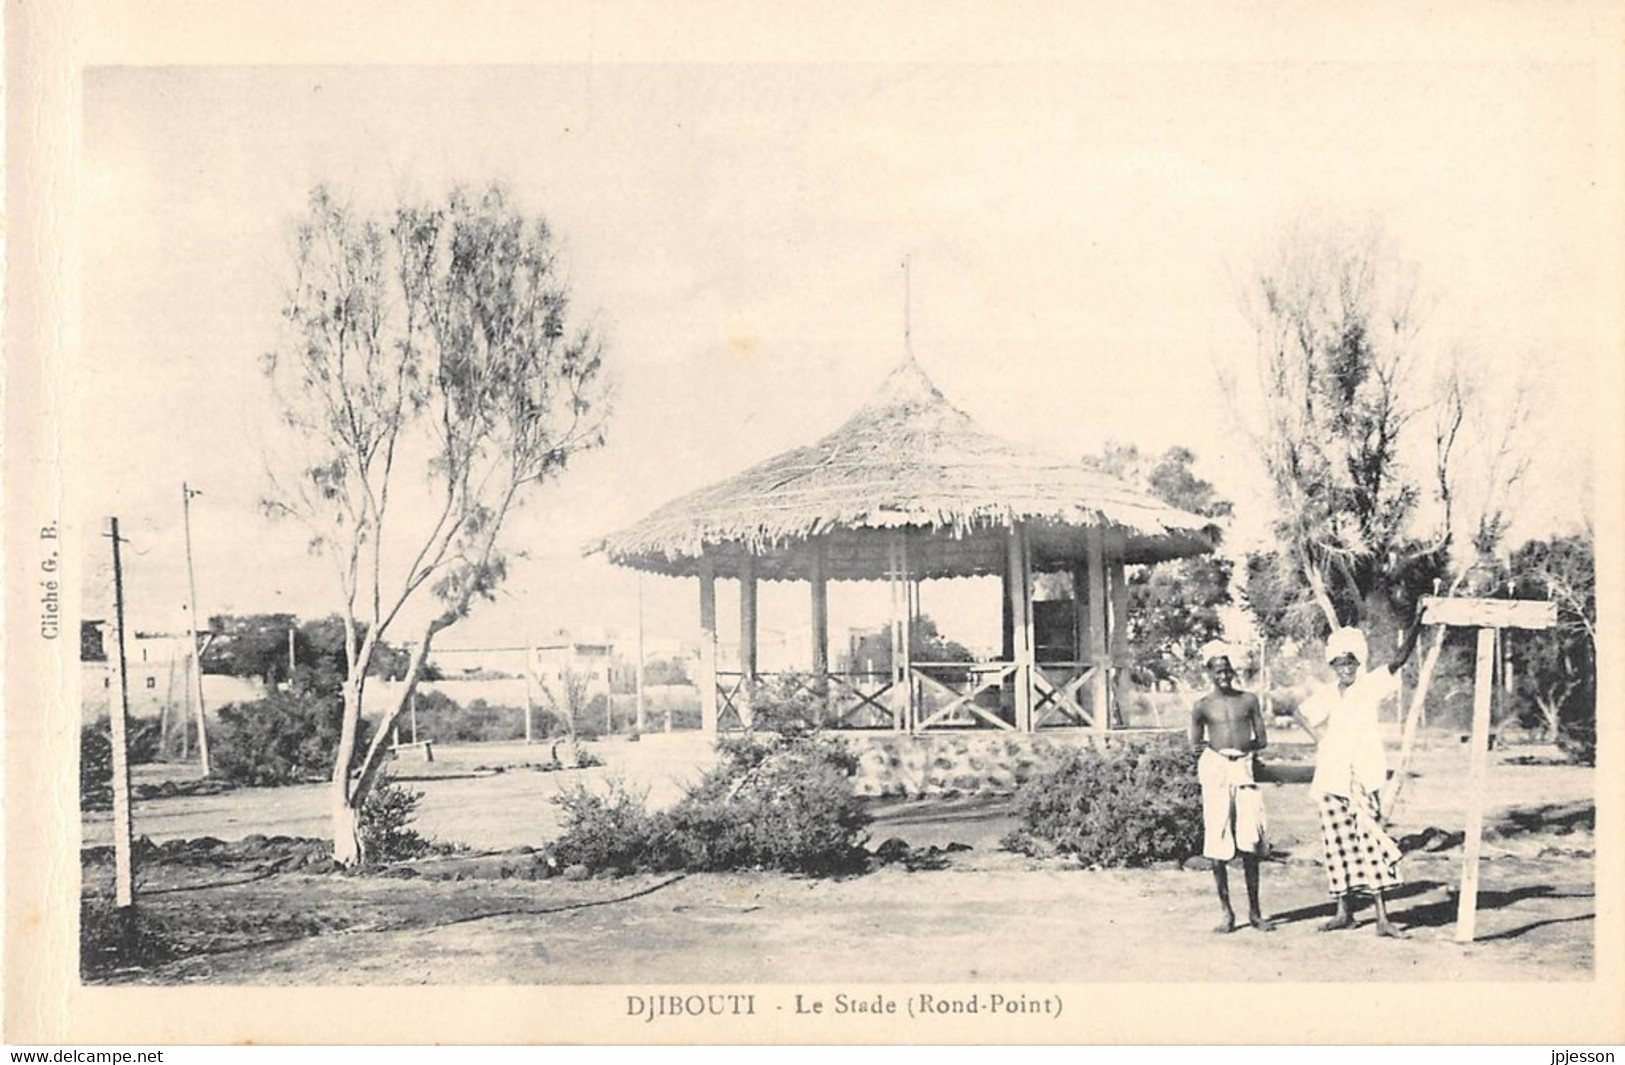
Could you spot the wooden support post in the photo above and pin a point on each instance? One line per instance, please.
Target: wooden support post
(820, 614)
(1122, 680)
(1489, 616)
(1007, 618)
(708, 644)
(747, 635)
(637, 678)
(1021, 613)
(909, 610)
(747, 617)
(1080, 613)
(902, 682)
(1101, 687)
(1478, 770)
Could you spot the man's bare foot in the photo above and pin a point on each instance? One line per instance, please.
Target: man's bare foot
(1226, 926)
(1338, 923)
(1391, 930)
(1263, 924)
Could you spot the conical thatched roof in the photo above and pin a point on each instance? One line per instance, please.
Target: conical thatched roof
(907, 459)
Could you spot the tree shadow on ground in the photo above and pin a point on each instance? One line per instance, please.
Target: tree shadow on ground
(1514, 933)
(1557, 817)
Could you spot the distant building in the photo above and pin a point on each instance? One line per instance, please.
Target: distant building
(155, 671)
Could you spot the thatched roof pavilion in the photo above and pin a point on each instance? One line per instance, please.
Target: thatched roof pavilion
(909, 488)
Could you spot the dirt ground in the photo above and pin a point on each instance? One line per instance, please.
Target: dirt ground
(971, 913)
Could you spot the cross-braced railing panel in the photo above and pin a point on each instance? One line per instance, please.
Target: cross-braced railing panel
(865, 699)
(1061, 694)
(733, 695)
(949, 693)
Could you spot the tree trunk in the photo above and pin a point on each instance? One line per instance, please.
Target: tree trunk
(1317, 586)
(346, 823)
(1407, 743)
(374, 759)
(347, 850)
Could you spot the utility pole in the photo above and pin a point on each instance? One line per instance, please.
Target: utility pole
(196, 657)
(118, 709)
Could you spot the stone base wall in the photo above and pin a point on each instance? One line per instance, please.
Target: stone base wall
(964, 762)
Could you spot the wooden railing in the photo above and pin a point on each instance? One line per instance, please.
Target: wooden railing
(954, 694)
(946, 695)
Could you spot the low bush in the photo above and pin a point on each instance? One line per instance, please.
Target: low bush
(386, 817)
(1132, 804)
(96, 757)
(784, 803)
(612, 831)
(1577, 739)
(95, 767)
(790, 704)
(288, 737)
(441, 719)
(115, 938)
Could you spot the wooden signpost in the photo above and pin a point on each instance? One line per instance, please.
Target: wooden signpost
(1488, 616)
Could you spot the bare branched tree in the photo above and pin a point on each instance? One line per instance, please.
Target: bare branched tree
(1343, 402)
(428, 351)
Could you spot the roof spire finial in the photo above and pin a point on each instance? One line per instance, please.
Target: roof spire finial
(908, 316)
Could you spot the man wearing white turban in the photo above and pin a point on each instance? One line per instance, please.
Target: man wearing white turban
(1350, 770)
(1228, 726)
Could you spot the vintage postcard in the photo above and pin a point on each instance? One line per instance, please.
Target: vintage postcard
(918, 523)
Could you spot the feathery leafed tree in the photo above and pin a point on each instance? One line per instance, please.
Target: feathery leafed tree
(430, 376)
(1173, 607)
(1361, 432)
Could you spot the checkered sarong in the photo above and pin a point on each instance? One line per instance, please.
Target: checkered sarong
(1359, 854)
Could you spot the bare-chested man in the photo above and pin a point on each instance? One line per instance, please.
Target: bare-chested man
(1228, 725)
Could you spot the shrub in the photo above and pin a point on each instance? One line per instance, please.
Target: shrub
(1132, 804)
(781, 803)
(442, 720)
(95, 767)
(141, 738)
(791, 704)
(604, 832)
(113, 938)
(385, 817)
(787, 804)
(1577, 739)
(288, 737)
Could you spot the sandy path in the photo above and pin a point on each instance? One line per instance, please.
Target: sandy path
(997, 919)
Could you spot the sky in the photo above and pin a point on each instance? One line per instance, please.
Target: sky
(1077, 233)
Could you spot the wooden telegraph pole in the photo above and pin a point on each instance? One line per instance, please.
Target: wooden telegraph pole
(196, 656)
(1489, 617)
(118, 711)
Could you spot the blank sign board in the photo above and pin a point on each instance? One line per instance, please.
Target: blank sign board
(1489, 613)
